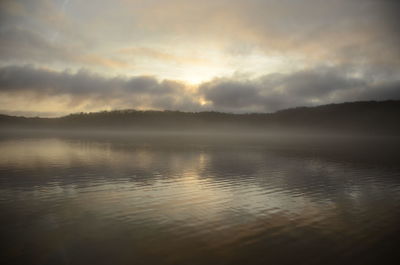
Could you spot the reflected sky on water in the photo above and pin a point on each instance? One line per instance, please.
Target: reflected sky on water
(179, 201)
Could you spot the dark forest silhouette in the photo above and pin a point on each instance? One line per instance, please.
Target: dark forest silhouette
(368, 117)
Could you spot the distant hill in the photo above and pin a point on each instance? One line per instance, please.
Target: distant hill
(368, 117)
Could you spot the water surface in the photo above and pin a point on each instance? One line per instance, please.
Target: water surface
(71, 200)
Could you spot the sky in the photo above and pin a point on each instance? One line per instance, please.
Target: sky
(64, 56)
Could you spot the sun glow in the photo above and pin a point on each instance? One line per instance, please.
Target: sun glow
(195, 74)
(198, 75)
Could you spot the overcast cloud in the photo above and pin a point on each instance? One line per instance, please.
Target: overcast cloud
(236, 55)
(86, 91)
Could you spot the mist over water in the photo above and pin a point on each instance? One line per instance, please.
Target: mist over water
(248, 132)
(198, 200)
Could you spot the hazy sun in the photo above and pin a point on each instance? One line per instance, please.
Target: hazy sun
(198, 75)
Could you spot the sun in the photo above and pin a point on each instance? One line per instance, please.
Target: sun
(196, 75)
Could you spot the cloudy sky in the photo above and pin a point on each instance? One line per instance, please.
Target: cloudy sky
(63, 56)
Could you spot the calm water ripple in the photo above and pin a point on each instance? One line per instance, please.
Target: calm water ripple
(141, 201)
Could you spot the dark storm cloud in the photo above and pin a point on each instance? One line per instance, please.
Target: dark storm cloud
(121, 92)
(314, 83)
(267, 93)
(231, 94)
(303, 88)
(23, 79)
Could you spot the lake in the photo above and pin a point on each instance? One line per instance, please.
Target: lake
(198, 200)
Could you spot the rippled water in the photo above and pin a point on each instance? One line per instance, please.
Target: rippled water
(183, 201)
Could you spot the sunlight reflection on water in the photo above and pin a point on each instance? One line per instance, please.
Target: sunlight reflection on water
(77, 201)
